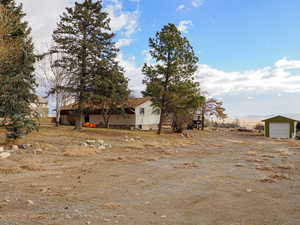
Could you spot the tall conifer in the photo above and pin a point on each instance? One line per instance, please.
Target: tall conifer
(84, 38)
(17, 80)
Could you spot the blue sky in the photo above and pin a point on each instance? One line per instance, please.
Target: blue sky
(249, 50)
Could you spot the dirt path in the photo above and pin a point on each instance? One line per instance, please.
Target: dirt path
(216, 179)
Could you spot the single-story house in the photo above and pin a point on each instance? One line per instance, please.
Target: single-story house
(139, 114)
(280, 127)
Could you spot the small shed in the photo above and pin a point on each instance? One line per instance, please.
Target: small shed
(280, 127)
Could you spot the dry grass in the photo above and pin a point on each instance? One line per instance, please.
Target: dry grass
(79, 151)
(268, 180)
(264, 168)
(235, 141)
(111, 205)
(279, 176)
(256, 160)
(118, 159)
(32, 165)
(268, 156)
(252, 153)
(286, 166)
(187, 165)
(9, 170)
(283, 152)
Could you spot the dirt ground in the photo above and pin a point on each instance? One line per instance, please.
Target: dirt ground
(209, 178)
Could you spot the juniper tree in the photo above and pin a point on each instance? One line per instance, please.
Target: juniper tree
(84, 38)
(186, 100)
(17, 80)
(175, 66)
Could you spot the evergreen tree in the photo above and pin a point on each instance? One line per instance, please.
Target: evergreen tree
(186, 100)
(84, 38)
(110, 93)
(17, 81)
(173, 72)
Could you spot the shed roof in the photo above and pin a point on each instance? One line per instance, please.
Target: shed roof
(279, 117)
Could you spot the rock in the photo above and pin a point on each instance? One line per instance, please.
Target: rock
(101, 147)
(38, 151)
(4, 155)
(88, 222)
(25, 146)
(249, 190)
(239, 165)
(15, 147)
(30, 202)
(1, 149)
(90, 142)
(84, 144)
(108, 145)
(140, 180)
(101, 142)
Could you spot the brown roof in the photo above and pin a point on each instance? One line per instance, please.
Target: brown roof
(134, 102)
(130, 102)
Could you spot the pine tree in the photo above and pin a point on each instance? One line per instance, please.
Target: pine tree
(17, 80)
(84, 38)
(110, 92)
(174, 70)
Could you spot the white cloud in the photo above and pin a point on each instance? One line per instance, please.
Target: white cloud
(124, 42)
(273, 78)
(126, 21)
(133, 72)
(180, 7)
(44, 15)
(183, 25)
(288, 64)
(197, 3)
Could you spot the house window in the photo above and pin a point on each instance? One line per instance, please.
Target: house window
(142, 111)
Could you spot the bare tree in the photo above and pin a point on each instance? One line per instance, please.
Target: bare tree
(212, 108)
(53, 78)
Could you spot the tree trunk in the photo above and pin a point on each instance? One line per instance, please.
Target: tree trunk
(107, 124)
(57, 122)
(106, 117)
(78, 123)
(162, 117)
(202, 119)
(57, 111)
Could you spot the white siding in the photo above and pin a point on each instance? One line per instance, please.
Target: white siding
(150, 118)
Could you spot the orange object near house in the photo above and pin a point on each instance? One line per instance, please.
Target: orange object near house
(92, 125)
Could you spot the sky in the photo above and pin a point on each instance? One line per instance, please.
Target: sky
(249, 50)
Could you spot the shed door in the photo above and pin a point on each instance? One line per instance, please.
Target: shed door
(280, 130)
